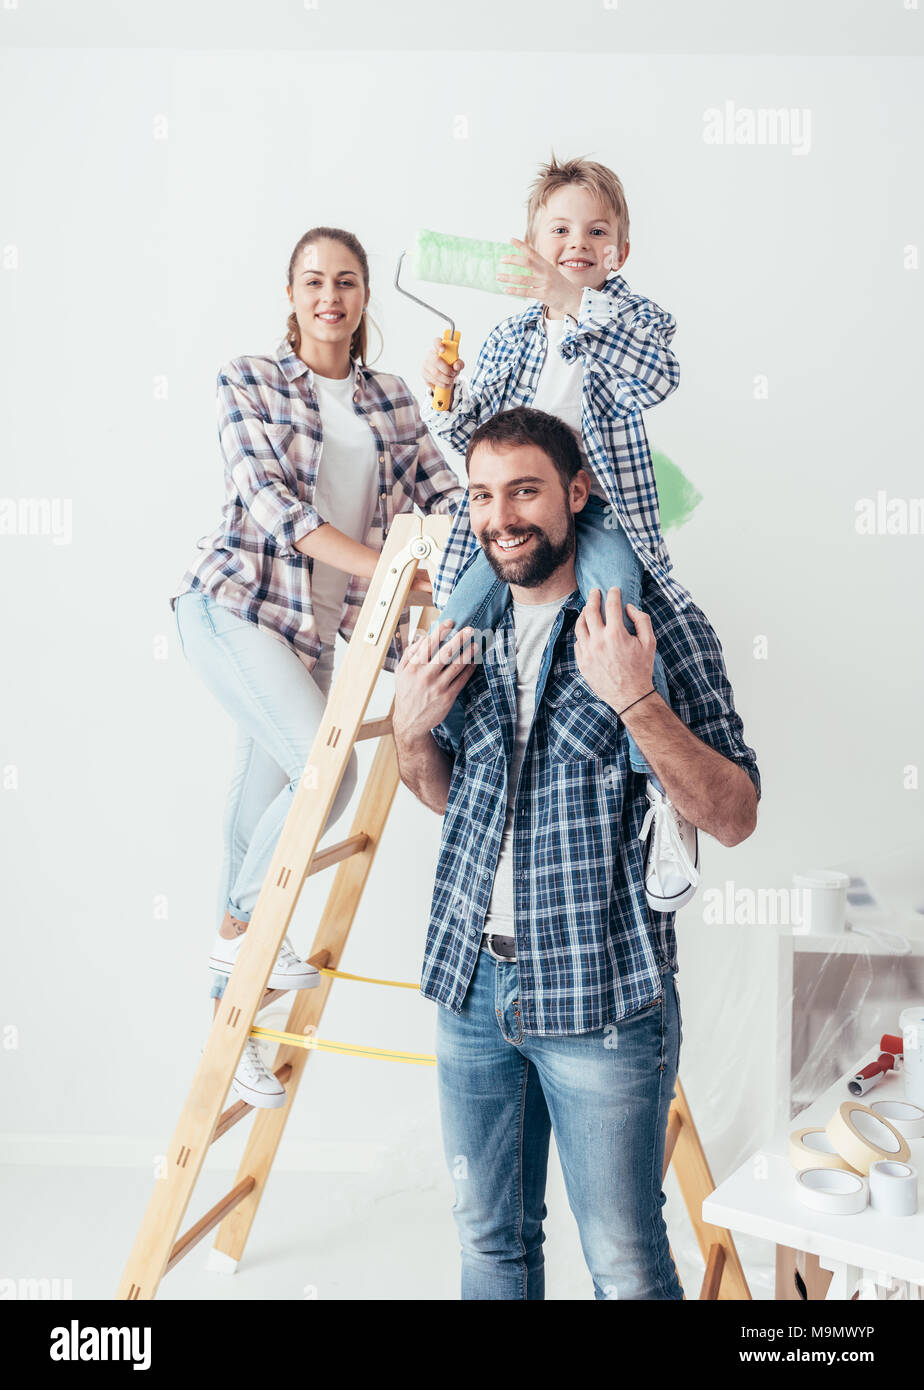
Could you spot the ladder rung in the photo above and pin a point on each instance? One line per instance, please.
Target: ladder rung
(374, 728)
(240, 1108)
(210, 1219)
(343, 849)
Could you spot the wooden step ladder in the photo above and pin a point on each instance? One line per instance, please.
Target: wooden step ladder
(412, 540)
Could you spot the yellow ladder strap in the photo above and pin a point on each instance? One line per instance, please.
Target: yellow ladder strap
(420, 1059)
(368, 979)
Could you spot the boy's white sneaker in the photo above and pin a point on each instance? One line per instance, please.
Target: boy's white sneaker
(254, 1082)
(289, 972)
(672, 862)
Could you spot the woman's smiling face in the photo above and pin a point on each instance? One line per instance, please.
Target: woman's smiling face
(327, 292)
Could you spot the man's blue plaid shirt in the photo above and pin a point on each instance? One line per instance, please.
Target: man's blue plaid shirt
(624, 341)
(590, 951)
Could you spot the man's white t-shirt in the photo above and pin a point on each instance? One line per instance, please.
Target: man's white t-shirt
(346, 490)
(558, 392)
(532, 625)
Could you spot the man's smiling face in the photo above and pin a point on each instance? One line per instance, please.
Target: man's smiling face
(521, 514)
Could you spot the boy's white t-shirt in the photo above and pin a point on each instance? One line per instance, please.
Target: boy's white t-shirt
(558, 392)
(346, 490)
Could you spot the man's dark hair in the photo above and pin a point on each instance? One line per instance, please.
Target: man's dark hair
(523, 425)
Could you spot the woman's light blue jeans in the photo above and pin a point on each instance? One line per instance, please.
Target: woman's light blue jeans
(605, 1095)
(278, 707)
(603, 558)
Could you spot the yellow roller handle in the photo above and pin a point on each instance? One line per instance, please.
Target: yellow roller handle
(442, 396)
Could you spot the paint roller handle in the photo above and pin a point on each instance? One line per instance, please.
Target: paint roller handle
(442, 365)
(871, 1075)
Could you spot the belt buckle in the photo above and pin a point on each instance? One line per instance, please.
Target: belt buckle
(489, 942)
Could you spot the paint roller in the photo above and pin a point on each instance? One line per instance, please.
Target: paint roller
(456, 260)
(891, 1058)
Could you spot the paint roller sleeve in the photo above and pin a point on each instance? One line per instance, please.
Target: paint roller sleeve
(459, 260)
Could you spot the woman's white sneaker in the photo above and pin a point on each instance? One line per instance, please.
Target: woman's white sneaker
(289, 972)
(254, 1082)
(672, 862)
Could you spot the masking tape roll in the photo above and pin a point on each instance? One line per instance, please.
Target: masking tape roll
(832, 1190)
(907, 1118)
(893, 1188)
(862, 1137)
(812, 1148)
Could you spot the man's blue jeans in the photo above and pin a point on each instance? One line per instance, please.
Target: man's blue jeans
(603, 558)
(606, 1097)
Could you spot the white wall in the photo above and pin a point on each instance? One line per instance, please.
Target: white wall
(140, 257)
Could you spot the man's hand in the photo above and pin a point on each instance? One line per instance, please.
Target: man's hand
(616, 664)
(706, 787)
(428, 679)
(544, 282)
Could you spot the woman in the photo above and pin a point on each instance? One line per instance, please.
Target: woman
(320, 453)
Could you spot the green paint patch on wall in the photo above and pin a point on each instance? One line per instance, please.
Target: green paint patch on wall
(677, 496)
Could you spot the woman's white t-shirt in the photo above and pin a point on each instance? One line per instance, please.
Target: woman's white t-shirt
(346, 490)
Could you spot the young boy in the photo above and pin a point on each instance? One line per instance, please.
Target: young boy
(594, 354)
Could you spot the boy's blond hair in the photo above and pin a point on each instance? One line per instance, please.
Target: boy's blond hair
(596, 178)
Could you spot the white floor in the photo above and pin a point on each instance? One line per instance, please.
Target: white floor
(324, 1235)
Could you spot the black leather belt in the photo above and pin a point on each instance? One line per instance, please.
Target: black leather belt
(500, 947)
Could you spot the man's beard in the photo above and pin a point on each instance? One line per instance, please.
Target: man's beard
(539, 562)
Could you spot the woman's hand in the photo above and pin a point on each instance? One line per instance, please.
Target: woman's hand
(422, 591)
(436, 372)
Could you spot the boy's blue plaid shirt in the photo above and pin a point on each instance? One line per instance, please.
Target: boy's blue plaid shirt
(624, 341)
(590, 950)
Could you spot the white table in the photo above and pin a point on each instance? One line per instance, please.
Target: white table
(868, 1251)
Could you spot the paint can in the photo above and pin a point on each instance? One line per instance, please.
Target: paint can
(823, 895)
(911, 1021)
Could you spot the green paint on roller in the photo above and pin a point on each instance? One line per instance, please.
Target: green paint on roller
(462, 260)
(677, 496)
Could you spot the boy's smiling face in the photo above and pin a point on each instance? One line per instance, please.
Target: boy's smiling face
(579, 235)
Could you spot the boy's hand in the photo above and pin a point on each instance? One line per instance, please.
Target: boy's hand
(428, 678)
(544, 282)
(616, 664)
(436, 372)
